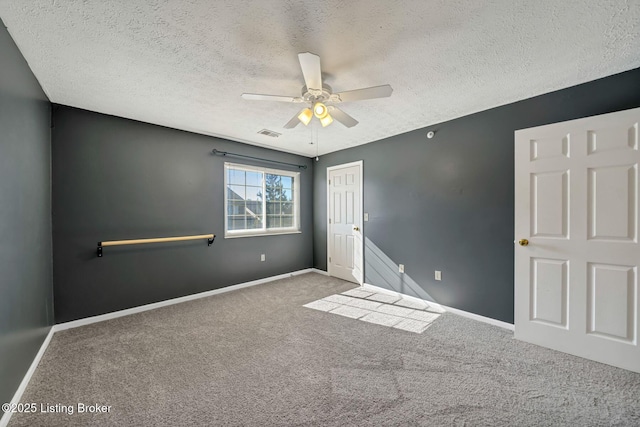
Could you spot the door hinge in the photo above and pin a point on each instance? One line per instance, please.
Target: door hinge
(329, 182)
(329, 220)
(329, 259)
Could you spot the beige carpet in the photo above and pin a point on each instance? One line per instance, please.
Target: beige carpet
(257, 357)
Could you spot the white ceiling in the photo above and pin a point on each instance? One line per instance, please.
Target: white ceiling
(185, 63)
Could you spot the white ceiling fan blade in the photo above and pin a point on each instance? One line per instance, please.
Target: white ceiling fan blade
(294, 121)
(258, 97)
(342, 117)
(310, 65)
(361, 94)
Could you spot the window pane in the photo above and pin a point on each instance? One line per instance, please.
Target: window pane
(273, 187)
(287, 221)
(272, 194)
(254, 178)
(235, 207)
(236, 177)
(253, 223)
(273, 208)
(273, 179)
(236, 192)
(287, 208)
(236, 223)
(253, 208)
(257, 200)
(253, 193)
(273, 221)
(287, 182)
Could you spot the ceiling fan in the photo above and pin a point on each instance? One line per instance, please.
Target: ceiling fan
(318, 95)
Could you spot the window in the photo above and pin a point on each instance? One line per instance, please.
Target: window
(260, 201)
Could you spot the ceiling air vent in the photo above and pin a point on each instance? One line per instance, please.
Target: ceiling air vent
(270, 133)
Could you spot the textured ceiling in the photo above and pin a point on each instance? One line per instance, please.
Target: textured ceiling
(185, 63)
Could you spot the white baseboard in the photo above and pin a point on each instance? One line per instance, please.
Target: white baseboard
(462, 313)
(25, 381)
(139, 309)
(324, 273)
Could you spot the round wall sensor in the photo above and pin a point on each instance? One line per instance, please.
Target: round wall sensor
(430, 134)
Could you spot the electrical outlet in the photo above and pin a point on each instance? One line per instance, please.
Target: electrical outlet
(366, 216)
(263, 257)
(438, 275)
(401, 268)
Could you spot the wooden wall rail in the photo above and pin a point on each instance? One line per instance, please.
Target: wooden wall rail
(209, 237)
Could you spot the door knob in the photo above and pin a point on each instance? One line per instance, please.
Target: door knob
(523, 242)
(356, 228)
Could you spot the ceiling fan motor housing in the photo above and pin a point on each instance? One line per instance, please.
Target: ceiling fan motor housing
(313, 95)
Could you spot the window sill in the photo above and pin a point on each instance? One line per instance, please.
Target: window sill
(275, 233)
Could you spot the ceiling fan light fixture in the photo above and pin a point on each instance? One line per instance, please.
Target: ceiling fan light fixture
(315, 93)
(305, 116)
(320, 110)
(326, 120)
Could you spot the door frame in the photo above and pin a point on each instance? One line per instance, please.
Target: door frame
(329, 169)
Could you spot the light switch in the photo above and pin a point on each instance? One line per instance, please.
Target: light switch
(438, 275)
(366, 216)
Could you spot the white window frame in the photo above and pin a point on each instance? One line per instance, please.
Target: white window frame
(230, 234)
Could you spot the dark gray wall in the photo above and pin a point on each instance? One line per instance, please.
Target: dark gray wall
(115, 179)
(26, 300)
(447, 203)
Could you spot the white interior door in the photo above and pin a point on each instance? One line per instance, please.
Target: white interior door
(344, 242)
(576, 202)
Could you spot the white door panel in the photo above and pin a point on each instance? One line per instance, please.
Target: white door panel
(344, 228)
(610, 308)
(549, 204)
(611, 202)
(576, 202)
(549, 289)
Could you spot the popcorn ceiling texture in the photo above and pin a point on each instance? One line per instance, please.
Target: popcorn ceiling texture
(185, 63)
